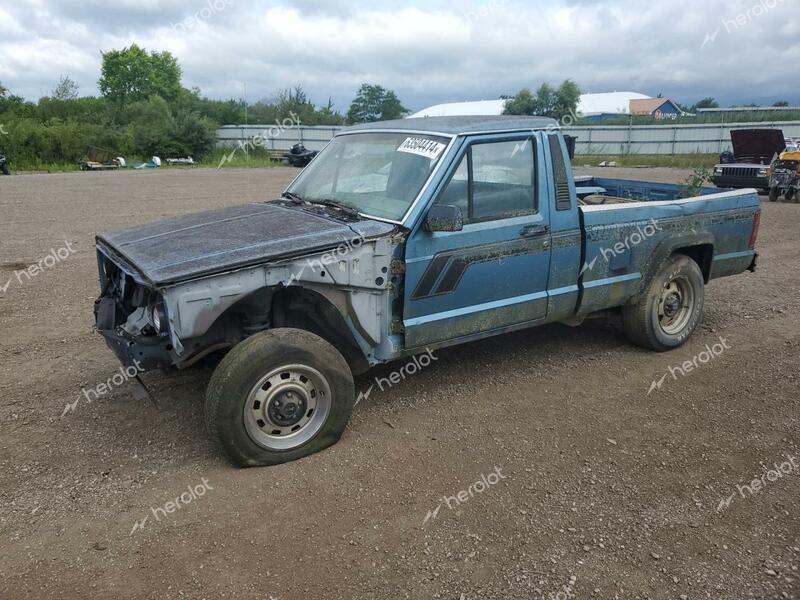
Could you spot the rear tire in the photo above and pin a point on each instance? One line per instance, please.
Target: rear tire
(5, 169)
(774, 194)
(278, 396)
(791, 195)
(671, 308)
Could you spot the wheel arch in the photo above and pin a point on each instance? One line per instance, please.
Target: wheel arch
(702, 254)
(698, 247)
(303, 308)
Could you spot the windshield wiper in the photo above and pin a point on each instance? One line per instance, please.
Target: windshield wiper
(296, 198)
(347, 209)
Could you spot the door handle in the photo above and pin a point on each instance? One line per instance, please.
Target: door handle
(534, 230)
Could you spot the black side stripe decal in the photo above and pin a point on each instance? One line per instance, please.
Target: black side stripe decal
(457, 262)
(453, 275)
(428, 279)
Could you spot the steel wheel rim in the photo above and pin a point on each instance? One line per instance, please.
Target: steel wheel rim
(675, 305)
(287, 407)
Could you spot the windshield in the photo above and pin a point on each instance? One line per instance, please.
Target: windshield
(378, 174)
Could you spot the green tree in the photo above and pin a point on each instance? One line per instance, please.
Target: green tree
(706, 103)
(131, 75)
(327, 115)
(565, 103)
(289, 102)
(557, 103)
(65, 90)
(375, 103)
(193, 134)
(523, 103)
(781, 103)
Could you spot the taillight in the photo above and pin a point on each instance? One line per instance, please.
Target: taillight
(754, 233)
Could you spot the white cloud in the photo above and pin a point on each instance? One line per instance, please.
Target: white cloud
(427, 52)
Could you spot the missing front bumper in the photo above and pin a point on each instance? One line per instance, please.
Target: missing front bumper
(145, 353)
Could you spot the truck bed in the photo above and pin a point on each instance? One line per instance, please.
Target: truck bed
(602, 190)
(642, 223)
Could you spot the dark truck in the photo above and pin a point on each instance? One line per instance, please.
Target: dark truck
(748, 165)
(399, 238)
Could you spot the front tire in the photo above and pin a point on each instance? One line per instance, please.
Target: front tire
(278, 396)
(669, 311)
(774, 194)
(791, 195)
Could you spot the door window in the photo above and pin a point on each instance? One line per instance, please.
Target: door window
(494, 180)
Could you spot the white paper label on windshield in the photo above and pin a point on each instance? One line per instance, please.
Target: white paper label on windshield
(427, 148)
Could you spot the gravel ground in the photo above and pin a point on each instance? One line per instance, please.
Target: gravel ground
(589, 486)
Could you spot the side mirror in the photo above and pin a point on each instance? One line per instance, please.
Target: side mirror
(444, 217)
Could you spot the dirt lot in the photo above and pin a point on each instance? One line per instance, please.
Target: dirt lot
(601, 490)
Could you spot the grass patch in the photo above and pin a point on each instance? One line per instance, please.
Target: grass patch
(38, 166)
(678, 161)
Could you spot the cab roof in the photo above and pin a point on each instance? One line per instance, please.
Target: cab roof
(459, 125)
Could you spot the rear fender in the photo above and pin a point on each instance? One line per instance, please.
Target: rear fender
(704, 242)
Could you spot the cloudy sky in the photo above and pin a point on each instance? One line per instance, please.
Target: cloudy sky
(738, 51)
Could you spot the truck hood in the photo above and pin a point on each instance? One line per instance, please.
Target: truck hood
(757, 146)
(198, 244)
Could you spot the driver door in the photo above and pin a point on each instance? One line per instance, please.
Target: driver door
(493, 274)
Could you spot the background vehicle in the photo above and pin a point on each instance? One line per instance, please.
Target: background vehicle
(299, 155)
(400, 238)
(785, 175)
(748, 165)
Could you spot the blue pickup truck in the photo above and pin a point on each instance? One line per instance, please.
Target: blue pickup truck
(399, 238)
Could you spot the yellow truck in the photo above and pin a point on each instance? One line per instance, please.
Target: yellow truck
(784, 173)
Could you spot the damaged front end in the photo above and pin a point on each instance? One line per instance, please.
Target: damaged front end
(345, 294)
(132, 317)
(141, 324)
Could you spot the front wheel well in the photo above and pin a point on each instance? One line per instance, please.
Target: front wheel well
(301, 308)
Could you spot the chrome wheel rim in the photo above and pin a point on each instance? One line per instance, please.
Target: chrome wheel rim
(675, 306)
(287, 407)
